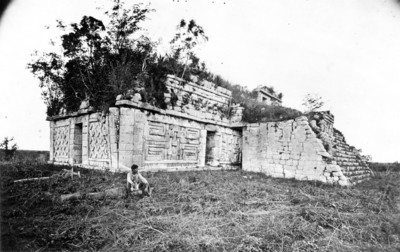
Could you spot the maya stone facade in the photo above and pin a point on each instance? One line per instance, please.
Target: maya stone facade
(195, 131)
(190, 134)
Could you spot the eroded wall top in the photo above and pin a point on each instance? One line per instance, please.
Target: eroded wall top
(202, 99)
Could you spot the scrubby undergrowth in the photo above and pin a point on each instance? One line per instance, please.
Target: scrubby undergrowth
(198, 211)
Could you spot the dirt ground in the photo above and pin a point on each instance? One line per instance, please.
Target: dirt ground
(196, 211)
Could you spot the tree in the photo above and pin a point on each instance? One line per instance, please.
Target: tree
(99, 62)
(9, 150)
(188, 36)
(312, 102)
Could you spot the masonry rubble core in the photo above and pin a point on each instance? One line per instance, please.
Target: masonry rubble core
(195, 134)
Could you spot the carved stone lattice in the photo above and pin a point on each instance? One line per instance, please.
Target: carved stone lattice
(61, 141)
(98, 141)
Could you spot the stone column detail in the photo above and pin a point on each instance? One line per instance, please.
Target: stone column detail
(126, 138)
(139, 137)
(114, 128)
(85, 140)
(202, 151)
(71, 140)
(51, 157)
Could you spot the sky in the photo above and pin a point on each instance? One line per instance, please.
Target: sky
(346, 51)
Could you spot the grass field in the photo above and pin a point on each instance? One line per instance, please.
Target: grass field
(27, 155)
(197, 211)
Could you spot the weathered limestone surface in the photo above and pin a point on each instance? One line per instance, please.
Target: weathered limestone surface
(167, 142)
(82, 140)
(61, 137)
(347, 157)
(51, 156)
(288, 149)
(304, 149)
(236, 113)
(114, 125)
(203, 100)
(126, 137)
(344, 155)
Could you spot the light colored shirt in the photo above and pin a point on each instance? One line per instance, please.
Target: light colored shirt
(135, 179)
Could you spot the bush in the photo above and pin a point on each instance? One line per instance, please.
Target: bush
(384, 167)
(254, 111)
(259, 112)
(8, 149)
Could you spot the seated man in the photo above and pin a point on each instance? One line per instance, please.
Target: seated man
(136, 182)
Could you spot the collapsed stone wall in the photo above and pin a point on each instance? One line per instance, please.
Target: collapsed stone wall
(203, 100)
(307, 148)
(346, 156)
(349, 159)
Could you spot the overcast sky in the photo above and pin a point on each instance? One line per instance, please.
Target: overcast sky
(347, 51)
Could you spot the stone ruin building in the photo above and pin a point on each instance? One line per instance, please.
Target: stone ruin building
(196, 133)
(265, 96)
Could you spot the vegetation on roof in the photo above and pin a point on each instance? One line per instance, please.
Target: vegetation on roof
(100, 61)
(97, 62)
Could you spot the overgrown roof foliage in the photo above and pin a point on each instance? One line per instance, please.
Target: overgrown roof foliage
(98, 62)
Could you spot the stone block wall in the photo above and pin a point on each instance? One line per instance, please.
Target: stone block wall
(348, 158)
(304, 149)
(126, 138)
(230, 147)
(114, 131)
(236, 113)
(288, 149)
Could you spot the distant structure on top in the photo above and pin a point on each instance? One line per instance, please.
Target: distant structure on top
(268, 96)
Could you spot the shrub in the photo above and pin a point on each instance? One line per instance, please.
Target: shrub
(259, 112)
(384, 167)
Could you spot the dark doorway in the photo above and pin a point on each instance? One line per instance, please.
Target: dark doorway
(78, 143)
(210, 147)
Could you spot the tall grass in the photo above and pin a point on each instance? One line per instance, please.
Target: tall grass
(199, 211)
